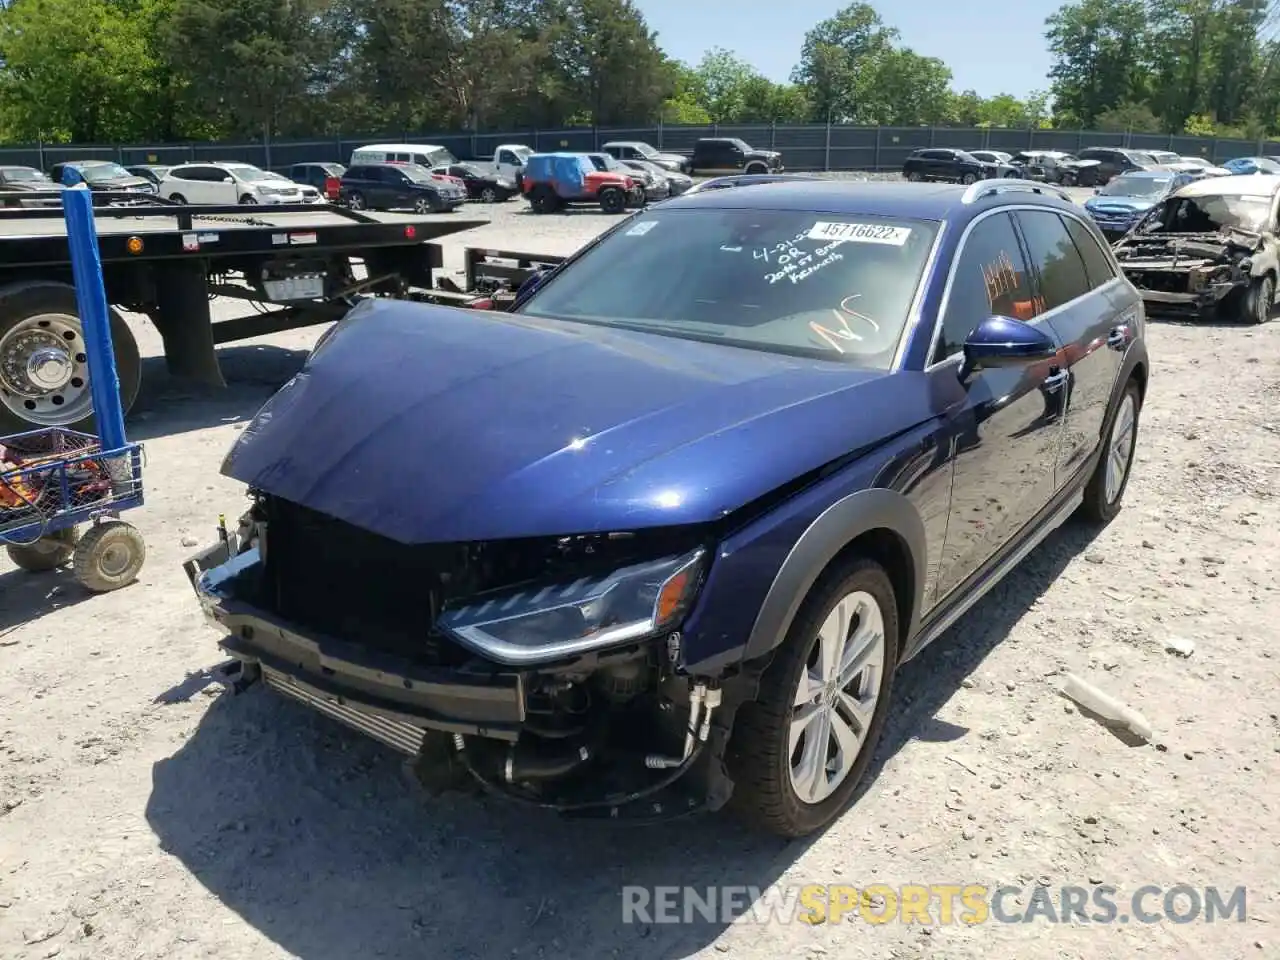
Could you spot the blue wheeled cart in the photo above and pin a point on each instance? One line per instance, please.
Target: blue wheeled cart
(54, 481)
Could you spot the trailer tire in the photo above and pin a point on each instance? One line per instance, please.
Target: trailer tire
(109, 556)
(21, 307)
(50, 552)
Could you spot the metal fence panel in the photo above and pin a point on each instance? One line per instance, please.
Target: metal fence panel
(814, 146)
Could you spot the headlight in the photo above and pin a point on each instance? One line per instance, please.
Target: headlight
(588, 614)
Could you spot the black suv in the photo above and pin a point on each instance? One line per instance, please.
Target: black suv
(716, 156)
(388, 186)
(1113, 161)
(937, 163)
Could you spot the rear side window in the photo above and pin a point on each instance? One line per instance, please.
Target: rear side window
(1053, 254)
(989, 279)
(1096, 264)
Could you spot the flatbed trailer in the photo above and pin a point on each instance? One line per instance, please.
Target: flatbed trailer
(167, 261)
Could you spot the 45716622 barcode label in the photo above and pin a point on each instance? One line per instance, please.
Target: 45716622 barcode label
(860, 233)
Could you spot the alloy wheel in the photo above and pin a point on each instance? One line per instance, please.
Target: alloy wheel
(836, 697)
(1120, 448)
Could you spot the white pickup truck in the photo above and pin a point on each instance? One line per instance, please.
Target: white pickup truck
(509, 160)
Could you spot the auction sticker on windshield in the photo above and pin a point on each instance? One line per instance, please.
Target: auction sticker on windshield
(860, 233)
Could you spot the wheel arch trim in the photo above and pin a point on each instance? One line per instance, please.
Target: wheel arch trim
(834, 529)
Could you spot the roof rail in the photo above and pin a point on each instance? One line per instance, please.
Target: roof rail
(991, 188)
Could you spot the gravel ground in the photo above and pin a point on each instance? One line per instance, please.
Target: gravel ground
(142, 815)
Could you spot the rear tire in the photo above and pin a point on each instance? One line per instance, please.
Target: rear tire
(48, 553)
(355, 201)
(20, 306)
(1104, 494)
(969, 178)
(914, 176)
(542, 200)
(797, 691)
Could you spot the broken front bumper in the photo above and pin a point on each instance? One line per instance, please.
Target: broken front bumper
(379, 694)
(1203, 303)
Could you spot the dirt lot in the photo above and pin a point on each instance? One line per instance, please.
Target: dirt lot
(142, 815)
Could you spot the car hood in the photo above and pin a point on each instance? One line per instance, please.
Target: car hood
(1119, 204)
(437, 424)
(121, 183)
(667, 158)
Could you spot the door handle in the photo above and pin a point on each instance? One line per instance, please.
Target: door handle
(1057, 377)
(1119, 337)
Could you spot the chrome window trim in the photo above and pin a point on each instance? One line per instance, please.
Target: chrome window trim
(914, 311)
(951, 276)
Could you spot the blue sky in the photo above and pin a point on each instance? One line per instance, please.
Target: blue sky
(988, 50)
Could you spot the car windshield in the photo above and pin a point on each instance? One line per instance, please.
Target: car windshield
(22, 173)
(252, 174)
(643, 149)
(415, 172)
(741, 145)
(97, 172)
(1211, 214)
(1136, 187)
(828, 285)
(965, 155)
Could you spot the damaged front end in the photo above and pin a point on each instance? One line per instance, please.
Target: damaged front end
(548, 670)
(1190, 274)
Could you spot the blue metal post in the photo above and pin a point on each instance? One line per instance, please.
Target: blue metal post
(95, 315)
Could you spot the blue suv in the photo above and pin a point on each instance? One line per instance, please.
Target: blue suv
(659, 539)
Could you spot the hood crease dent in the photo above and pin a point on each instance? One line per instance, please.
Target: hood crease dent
(439, 424)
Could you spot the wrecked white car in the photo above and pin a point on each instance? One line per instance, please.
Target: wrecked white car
(1209, 250)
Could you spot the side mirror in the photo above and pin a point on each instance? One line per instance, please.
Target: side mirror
(228, 179)
(1005, 342)
(1097, 189)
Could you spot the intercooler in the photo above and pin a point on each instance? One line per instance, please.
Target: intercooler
(397, 734)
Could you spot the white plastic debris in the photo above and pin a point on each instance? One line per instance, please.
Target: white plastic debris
(1116, 713)
(1181, 646)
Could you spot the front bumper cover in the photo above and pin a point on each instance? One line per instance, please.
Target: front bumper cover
(383, 695)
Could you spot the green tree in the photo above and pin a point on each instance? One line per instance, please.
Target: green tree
(1097, 50)
(1128, 117)
(248, 62)
(837, 62)
(78, 70)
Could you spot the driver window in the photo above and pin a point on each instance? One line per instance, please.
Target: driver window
(989, 279)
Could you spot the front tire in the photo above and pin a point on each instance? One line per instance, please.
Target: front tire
(488, 195)
(914, 176)
(423, 206)
(355, 201)
(969, 178)
(1259, 300)
(248, 200)
(109, 556)
(1105, 491)
(179, 198)
(799, 751)
(613, 201)
(756, 168)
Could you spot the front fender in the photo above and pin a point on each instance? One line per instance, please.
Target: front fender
(837, 526)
